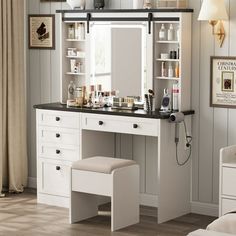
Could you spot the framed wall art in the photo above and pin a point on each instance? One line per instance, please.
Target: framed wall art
(223, 82)
(41, 31)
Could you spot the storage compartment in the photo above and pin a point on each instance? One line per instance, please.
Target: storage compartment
(53, 178)
(58, 119)
(228, 205)
(58, 152)
(229, 181)
(58, 136)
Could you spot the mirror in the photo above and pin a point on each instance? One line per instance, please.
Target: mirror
(118, 53)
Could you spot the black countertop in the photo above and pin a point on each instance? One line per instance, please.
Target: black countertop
(108, 111)
(126, 10)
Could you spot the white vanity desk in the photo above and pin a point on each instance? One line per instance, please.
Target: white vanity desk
(65, 135)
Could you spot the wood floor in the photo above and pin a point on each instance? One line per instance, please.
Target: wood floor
(20, 215)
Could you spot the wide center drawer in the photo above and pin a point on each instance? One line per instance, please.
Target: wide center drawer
(58, 119)
(58, 135)
(58, 152)
(120, 124)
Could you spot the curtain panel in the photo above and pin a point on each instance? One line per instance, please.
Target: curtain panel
(13, 139)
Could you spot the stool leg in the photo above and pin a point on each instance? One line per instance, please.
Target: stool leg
(82, 206)
(125, 197)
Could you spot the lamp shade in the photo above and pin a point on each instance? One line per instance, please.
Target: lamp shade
(213, 10)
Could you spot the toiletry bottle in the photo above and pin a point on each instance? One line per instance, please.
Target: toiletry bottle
(170, 34)
(71, 32)
(175, 97)
(163, 69)
(162, 33)
(71, 90)
(170, 71)
(177, 70)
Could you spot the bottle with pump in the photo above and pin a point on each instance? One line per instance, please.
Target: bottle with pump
(170, 34)
(162, 33)
(71, 90)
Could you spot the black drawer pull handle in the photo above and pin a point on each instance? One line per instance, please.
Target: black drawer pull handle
(58, 119)
(58, 151)
(100, 122)
(135, 126)
(58, 135)
(58, 167)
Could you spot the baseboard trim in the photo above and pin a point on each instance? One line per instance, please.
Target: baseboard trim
(32, 182)
(205, 208)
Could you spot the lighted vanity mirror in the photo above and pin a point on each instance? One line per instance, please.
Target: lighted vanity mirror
(118, 57)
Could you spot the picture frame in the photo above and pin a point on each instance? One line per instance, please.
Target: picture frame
(223, 82)
(41, 30)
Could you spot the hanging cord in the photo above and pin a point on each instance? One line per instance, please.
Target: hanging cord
(188, 145)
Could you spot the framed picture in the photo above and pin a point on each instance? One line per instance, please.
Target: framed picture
(223, 82)
(41, 31)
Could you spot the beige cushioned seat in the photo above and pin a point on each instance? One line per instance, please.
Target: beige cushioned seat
(101, 164)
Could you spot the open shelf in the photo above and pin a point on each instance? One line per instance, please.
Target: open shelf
(171, 60)
(72, 73)
(167, 78)
(75, 40)
(166, 41)
(75, 57)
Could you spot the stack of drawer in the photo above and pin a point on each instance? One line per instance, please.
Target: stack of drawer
(58, 141)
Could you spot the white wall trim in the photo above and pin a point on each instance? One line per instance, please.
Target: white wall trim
(205, 208)
(32, 182)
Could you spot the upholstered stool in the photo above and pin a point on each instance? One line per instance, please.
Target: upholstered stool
(116, 178)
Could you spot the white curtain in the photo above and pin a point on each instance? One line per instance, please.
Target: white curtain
(13, 145)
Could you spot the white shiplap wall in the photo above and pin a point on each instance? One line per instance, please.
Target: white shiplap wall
(212, 128)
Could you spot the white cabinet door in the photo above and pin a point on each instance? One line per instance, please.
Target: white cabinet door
(229, 181)
(53, 177)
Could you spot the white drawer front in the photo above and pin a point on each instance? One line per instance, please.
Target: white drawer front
(58, 136)
(229, 181)
(228, 205)
(58, 119)
(58, 152)
(119, 124)
(53, 178)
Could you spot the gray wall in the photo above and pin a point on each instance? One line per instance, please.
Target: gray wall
(213, 128)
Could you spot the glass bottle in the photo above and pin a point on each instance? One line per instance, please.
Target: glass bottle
(170, 34)
(162, 32)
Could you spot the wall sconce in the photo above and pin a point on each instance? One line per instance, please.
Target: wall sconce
(214, 11)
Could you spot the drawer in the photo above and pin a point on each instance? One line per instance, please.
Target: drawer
(58, 136)
(120, 124)
(228, 205)
(229, 181)
(53, 178)
(58, 119)
(58, 152)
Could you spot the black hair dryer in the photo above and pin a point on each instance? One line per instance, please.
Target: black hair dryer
(99, 4)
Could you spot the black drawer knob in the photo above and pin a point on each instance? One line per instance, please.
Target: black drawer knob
(58, 151)
(58, 135)
(135, 126)
(58, 119)
(58, 167)
(100, 122)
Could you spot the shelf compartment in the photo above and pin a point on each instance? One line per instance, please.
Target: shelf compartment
(75, 57)
(171, 60)
(75, 40)
(166, 41)
(72, 73)
(167, 78)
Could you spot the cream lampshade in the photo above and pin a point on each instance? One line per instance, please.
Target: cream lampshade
(214, 11)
